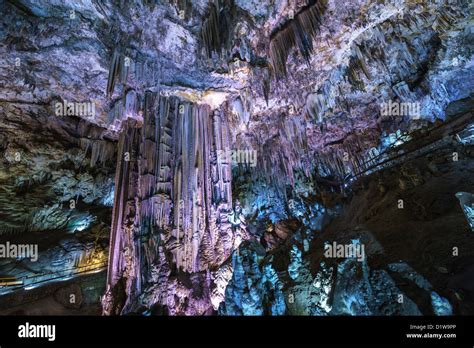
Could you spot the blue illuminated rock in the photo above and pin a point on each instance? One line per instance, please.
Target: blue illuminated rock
(467, 204)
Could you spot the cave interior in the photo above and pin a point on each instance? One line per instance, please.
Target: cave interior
(237, 157)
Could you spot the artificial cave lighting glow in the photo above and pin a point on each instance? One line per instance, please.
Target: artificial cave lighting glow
(108, 199)
(82, 223)
(441, 305)
(237, 157)
(466, 200)
(466, 137)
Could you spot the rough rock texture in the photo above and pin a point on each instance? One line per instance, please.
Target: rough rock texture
(302, 84)
(417, 257)
(254, 288)
(172, 206)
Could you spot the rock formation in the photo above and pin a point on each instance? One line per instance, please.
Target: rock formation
(173, 201)
(218, 147)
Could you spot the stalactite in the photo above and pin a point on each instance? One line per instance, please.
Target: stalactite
(173, 195)
(210, 31)
(353, 73)
(102, 152)
(298, 32)
(266, 81)
(361, 61)
(118, 70)
(121, 220)
(128, 106)
(217, 27)
(113, 72)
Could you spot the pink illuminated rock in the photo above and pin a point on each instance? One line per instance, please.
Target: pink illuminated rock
(172, 202)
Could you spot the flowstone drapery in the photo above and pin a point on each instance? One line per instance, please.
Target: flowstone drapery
(170, 220)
